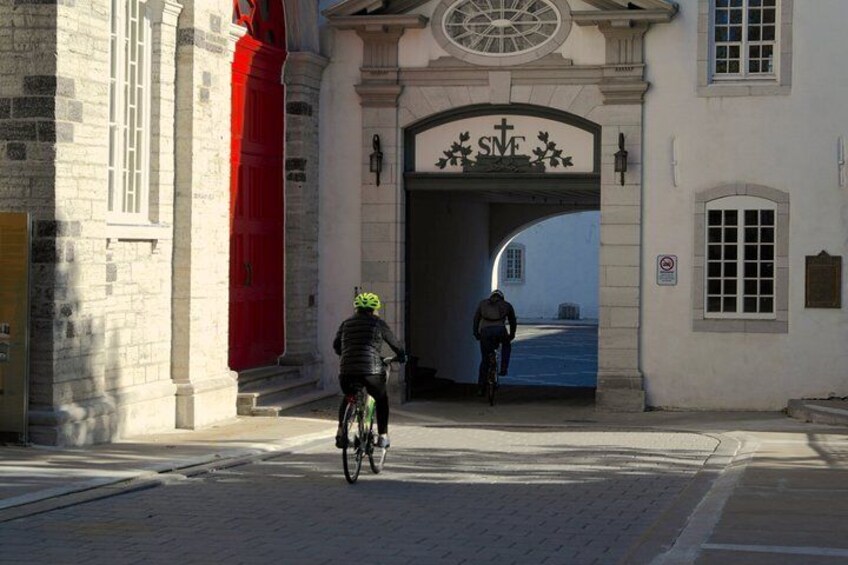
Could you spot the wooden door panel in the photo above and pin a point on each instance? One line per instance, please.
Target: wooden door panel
(257, 305)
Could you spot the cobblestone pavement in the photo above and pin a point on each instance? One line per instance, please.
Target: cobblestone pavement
(449, 494)
(554, 355)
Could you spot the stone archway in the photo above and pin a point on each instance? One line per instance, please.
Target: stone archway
(513, 164)
(610, 95)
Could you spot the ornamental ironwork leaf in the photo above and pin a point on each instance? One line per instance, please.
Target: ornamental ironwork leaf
(458, 153)
(549, 153)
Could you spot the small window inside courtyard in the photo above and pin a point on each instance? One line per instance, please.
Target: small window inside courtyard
(129, 111)
(513, 262)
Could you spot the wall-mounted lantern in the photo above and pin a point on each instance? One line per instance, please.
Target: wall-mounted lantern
(376, 158)
(621, 158)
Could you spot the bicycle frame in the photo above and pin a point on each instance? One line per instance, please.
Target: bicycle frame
(360, 413)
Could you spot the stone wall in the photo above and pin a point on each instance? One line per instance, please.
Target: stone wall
(206, 386)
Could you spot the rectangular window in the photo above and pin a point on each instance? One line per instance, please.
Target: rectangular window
(744, 39)
(514, 265)
(740, 259)
(129, 112)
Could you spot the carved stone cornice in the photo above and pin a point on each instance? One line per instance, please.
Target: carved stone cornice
(379, 86)
(379, 22)
(373, 95)
(622, 18)
(624, 44)
(450, 71)
(626, 92)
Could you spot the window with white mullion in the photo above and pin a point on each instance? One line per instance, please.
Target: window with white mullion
(129, 112)
(115, 82)
(514, 264)
(740, 258)
(744, 38)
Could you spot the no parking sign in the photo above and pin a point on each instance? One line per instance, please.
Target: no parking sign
(667, 270)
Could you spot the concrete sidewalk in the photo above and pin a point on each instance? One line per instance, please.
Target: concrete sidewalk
(33, 474)
(775, 490)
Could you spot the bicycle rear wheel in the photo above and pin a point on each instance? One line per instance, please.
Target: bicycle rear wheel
(352, 450)
(376, 455)
(492, 378)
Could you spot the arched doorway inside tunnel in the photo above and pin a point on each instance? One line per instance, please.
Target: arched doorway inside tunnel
(475, 177)
(549, 272)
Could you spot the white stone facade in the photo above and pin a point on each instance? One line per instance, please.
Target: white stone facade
(691, 140)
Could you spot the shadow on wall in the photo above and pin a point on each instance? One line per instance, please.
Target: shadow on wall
(70, 403)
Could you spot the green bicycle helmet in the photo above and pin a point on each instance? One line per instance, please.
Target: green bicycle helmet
(368, 301)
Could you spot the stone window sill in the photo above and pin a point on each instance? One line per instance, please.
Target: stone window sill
(138, 232)
(743, 88)
(741, 326)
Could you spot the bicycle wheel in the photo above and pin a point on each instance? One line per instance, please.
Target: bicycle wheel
(376, 455)
(352, 450)
(492, 378)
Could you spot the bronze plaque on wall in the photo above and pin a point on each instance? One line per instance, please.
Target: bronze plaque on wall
(824, 281)
(14, 325)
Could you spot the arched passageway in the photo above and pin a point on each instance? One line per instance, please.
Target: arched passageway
(549, 272)
(457, 221)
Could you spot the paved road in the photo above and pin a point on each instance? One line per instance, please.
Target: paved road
(450, 494)
(554, 355)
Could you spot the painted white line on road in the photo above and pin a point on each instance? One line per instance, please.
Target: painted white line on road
(783, 549)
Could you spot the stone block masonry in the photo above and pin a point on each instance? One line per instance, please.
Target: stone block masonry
(206, 388)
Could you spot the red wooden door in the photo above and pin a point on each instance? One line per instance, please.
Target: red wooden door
(257, 207)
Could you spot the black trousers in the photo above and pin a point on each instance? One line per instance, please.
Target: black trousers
(376, 387)
(490, 338)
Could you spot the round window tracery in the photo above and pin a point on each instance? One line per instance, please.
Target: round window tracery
(501, 32)
(501, 27)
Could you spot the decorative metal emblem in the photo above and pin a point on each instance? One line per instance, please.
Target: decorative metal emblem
(824, 281)
(499, 154)
(501, 27)
(263, 19)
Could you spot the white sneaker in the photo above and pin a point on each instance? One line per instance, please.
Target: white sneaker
(383, 441)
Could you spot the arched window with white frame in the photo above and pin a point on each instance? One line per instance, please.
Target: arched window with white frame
(741, 260)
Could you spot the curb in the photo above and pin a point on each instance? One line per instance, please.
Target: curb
(677, 536)
(655, 545)
(817, 412)
(140, 479)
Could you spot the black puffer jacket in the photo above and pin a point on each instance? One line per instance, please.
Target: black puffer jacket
(359, 342)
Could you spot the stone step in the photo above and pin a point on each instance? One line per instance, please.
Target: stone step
(832, 412)
(274, 410)
(266, 392)
(255, 379)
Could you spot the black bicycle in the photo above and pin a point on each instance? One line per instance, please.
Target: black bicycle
(492, 376)
(358, 431)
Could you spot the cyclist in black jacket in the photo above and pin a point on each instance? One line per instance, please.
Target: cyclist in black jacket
(489, 329)
(359, 342)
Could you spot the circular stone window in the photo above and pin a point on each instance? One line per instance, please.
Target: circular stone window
(501, 32)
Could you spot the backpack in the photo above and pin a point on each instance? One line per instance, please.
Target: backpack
(493, 311)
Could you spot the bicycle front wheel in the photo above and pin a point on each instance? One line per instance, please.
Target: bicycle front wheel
(376, 454)
(352, 449)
